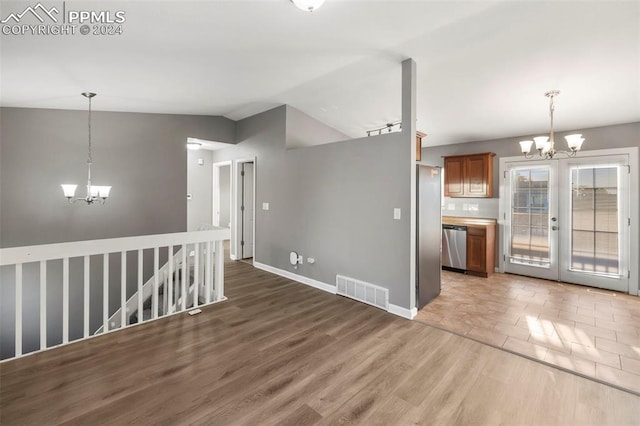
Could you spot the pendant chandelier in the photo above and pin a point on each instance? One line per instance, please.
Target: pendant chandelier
(545, 145)
(94, 193)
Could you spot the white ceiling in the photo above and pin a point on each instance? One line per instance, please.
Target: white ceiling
(483, 67)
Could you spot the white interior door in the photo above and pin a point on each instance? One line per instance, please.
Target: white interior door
(595, 220)
(569, 220)
(531, 237)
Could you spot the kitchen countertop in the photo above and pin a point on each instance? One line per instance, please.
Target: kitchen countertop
(468, 221)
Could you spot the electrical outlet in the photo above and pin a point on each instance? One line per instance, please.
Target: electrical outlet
(397, 213)
(265, 206)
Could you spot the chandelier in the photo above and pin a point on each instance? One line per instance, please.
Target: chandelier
(94, 193)
(308, 5)
(545, 145)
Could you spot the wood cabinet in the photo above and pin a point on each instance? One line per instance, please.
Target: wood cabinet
(480, 250)
(454, 177)
(469, 176)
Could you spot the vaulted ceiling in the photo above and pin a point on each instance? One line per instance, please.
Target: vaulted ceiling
(483, 67)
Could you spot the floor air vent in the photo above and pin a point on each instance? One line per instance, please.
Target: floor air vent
(363, 292)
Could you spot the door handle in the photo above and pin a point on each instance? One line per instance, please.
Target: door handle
(554, 228)
(553, 219)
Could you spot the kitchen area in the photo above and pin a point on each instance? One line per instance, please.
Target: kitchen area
(468, 242)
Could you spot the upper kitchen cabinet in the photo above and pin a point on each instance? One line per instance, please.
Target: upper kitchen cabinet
(469, 176)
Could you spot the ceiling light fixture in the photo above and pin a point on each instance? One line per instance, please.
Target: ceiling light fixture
(308, 5)
(193, 145)
(389, 127)
(94, 192)
(545, 145)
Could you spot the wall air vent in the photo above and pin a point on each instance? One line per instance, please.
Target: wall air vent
(364, 292)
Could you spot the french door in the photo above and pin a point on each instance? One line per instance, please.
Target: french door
(568, 220)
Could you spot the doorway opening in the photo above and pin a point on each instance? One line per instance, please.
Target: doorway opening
(222, 190)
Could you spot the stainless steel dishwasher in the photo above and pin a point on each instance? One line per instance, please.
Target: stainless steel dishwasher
(454, 247)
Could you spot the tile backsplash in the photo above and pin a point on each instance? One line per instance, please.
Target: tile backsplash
(471, 207)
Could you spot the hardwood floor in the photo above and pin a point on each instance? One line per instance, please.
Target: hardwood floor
(592, 332)
(279, 352)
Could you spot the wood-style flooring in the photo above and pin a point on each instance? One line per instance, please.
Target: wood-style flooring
(279, 352)
(590, 331)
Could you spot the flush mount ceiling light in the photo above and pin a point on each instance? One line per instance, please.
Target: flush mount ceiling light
(94, 192)
(193, 145)
(308, 5)
(545, 145)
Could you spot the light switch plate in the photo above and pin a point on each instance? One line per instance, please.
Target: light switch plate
(201, 161)
(397, 213)
(265, 206)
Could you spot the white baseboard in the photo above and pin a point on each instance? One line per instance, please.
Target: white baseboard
(393, 309)
(403, 312)
(295, 277)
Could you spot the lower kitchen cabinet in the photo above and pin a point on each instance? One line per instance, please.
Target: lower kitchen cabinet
(481, 250)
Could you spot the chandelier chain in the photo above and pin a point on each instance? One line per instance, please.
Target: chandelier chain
(90, 159)
(551, 109)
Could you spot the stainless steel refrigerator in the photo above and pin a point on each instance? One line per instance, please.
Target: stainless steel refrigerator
(429, 229)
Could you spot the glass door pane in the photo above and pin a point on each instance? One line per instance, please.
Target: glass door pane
(594, 220)
(594, 201)
(530, 242)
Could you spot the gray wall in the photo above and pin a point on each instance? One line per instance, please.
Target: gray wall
(303, 130)
(143, 156)
(200, 186)
(225, 196)
(333, 202)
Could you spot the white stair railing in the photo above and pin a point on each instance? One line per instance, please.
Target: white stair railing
(133, 303)
(207, 264)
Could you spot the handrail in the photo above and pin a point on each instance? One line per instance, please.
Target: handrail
(25, 254)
